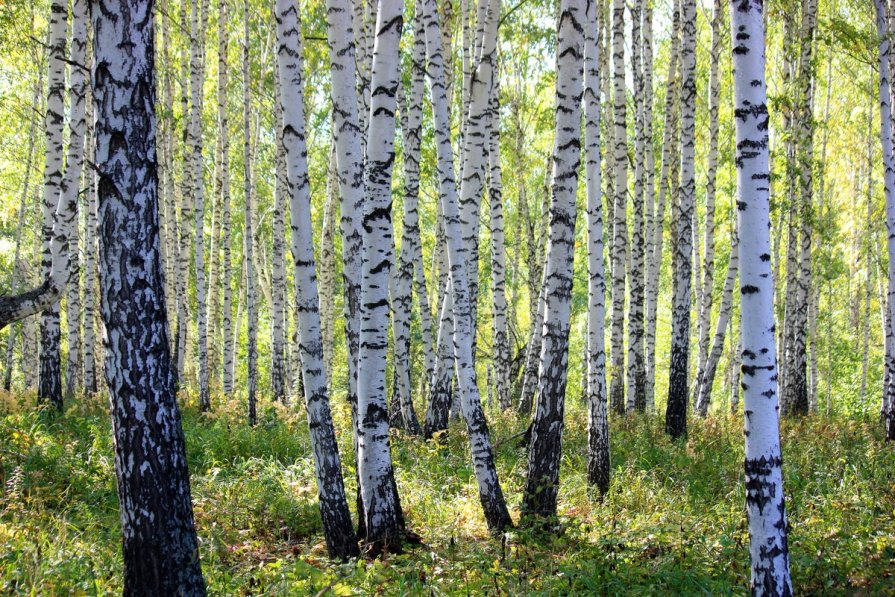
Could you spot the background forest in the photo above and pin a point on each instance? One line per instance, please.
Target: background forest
(671, 518)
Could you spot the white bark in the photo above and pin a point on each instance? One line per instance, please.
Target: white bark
(490, 492)
(247, 234)
(597, 420)
(763, 466)
(382, 508)
(619, 249)
(337, 527)
(676, 412)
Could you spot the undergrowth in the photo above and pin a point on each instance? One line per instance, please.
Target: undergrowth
(672, 523)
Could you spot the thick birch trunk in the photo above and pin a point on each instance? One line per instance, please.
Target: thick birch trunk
(159, 539)
(763, 466)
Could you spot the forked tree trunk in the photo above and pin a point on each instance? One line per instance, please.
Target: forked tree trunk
(763, 465)
(337, 527)
(490, 493)
(161, 552)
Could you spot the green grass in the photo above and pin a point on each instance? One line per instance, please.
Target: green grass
(673, 522)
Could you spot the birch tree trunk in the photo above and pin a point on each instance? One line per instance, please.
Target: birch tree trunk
(71, 184)
(885, 99)
(91, 374)
(159, 539)
(597, 420)
(278, 259)
(411, 253)
(710, 368)
(328, 266)
(18, 266)
(636, 376)
(500, 339)
(708, 267)
(763, 465)
(337, 527)
(676, 412)
(382, 508)
(197, 78)
(490, 493)
(619, 250)
(49, 385)
(226, 264)
(545, 449)
(666, 178)
(248, 234)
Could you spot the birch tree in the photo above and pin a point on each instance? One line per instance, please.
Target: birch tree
(337, 527)
(763, 465)
(71, 184)
(676, 412)
(545, 450)
(224, 173)
(885, 103)
(278, 258)
(159, 539)
(490, 493)
(597, 420)
(248, 234)
(619, 250)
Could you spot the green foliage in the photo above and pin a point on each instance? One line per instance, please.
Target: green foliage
(672, 523)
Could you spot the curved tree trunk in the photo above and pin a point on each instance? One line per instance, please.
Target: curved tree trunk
(763, 466)
(160, 547)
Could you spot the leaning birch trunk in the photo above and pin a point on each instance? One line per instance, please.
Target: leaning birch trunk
(337, 527)
(532, 356)
(490, 492)
(654, 262)
(597, 420)
(763, 465)
(619, 250)
(247, 234)
(545, 449)
(709, 370)
(382, 508)
(636, 375)
(18, 266)
(278, 259)
(49, 384)
(676, 412)
(704, 316)
(71, 184)
(160, 549)
(885, 99)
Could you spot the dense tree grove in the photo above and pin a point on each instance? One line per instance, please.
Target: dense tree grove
(412, 220)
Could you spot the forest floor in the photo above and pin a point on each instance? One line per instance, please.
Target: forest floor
(673, 522)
